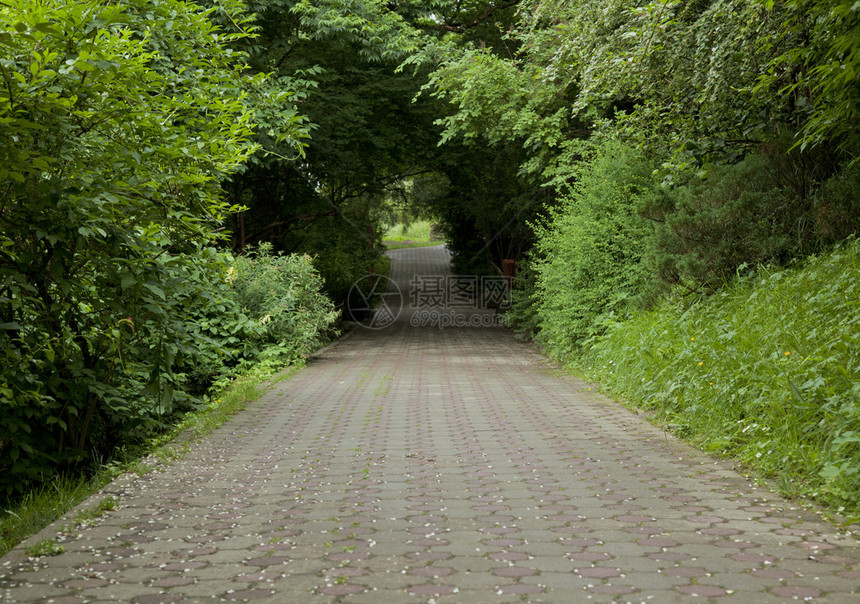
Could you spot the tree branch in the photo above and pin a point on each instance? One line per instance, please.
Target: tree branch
(491, 10)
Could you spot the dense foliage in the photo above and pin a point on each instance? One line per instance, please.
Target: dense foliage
(685, 144)
(373, 141)
(723, 126)
(591, 250)
(765, 370)
(632, 154)
(119, 123)
(341, 60)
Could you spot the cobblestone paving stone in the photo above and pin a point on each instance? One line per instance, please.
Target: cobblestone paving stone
(439, 465)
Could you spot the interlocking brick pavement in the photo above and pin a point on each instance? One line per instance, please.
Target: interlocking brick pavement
(439, 465)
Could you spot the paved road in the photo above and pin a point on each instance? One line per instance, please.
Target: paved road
(419, 464)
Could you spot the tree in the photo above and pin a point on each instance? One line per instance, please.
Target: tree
(118, 122)
(818, 75)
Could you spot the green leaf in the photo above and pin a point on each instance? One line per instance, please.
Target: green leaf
(156, 290)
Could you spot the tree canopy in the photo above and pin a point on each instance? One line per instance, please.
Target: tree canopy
(119, 123)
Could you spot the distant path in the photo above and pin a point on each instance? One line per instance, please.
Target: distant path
(418, 464)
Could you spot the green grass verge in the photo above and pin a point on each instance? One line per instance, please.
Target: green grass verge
(42, 506)
(417, 231)
(766, 371)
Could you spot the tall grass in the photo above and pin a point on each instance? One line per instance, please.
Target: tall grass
(41, 506)
(767, 370)
(416, 231)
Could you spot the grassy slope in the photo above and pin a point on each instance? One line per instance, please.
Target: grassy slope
(416, 231)
(766, 371)
(416, 234)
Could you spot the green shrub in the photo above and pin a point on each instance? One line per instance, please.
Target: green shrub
(220, 316)
(773, 206)
(522, 316)
(114, 372)
(283, 293)
(766, 370)
(117, 124)
(590, 250)
(202, 333)
(344, 248)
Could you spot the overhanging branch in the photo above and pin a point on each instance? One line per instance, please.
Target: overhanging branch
(491, 10)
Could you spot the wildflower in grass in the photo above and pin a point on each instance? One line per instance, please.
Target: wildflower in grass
(701, 362)
(788, 354)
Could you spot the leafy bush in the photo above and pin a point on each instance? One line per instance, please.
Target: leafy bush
(590, 251)
(522, 316)
(767, 207)
(766, 370)
(222, 315)
(341, 248)
(118, 124)
(201, 333)
(284, 295)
